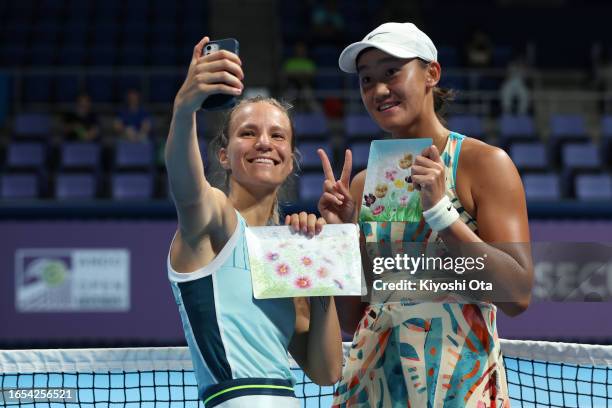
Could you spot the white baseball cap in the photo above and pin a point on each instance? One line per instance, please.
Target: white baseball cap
(402, 40)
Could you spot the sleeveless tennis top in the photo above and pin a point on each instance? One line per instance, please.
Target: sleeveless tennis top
(424, 354)
(238, 344)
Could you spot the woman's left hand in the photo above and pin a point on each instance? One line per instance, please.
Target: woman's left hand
(428, 173)
(305, 223)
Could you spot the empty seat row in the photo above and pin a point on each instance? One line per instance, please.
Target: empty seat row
(573, 156)
(82, 186)
(85, 155)
(551, 186)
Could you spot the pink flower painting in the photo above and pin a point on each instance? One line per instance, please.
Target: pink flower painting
(282, 269)
(378, 209)
(303, 282)
(271, 256)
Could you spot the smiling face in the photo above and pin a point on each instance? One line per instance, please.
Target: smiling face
(259, 151)
(396, 92)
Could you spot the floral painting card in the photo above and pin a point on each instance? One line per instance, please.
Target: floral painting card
(388, 193)
(288, 264)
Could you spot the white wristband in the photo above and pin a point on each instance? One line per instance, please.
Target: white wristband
(441, 215)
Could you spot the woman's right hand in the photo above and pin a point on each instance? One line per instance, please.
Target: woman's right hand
(219, 72)
(336, 204)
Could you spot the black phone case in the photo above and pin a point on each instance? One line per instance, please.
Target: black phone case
(221, 101)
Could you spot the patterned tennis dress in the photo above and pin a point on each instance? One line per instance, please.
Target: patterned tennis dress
(425, 354)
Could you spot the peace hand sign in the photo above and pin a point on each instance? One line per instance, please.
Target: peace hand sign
(336, 204)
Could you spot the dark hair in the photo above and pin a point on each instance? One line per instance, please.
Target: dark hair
(441, 96)
(223, 137)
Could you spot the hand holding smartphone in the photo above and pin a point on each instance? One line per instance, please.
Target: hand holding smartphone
(220, 101)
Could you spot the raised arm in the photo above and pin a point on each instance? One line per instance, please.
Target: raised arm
(201, 208)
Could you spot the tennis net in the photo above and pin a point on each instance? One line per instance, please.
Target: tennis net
(539, 374)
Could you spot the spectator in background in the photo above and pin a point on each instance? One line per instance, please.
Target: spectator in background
(327, 22)
(134, 122)
(601, 74)
(514, 88)
(299, 71)
(479, 50)
(82, 123)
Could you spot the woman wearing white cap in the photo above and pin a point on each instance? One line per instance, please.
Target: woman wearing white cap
(426, 354)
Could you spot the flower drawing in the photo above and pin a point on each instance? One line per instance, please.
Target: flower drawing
(378, 209)
(282, 269)
(306, 261)
(322, 272)
(271, 256)
(390, 174)
(303, 282)
(399, 183)
(403, 200)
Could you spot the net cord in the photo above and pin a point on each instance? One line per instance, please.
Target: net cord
(179, 358)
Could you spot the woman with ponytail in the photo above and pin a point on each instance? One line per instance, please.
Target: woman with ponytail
(238, 343)
(444, 351)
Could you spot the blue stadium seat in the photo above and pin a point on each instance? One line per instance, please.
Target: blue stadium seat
(104, 35)
(593, 187)
(502, 55)
(542, 186)
(163, 87)
(469, 125)
(329, 82)
(567, 126)
(134, 34)
(516, 127)
(100, 88)
(529, 156)
(325, 55)
(130, 155)
(133, 55)
(74, 33)
(581, 156)
(80, 155)
(37, 88)
(606, 138)
(448, 56)
(32, 124)
(45, 33)
(103, 55)
(66, 88)
(453, 81)
(311, 186)
(12, 55)
(132, 186)
(70, 186)
(72, 55)
(164, 35)
(606, 126)
(360, 151)
(163, 54)
(16, 34)
(309, 156)
(26, 155)
(358, 125)
(310, 124)
(125, 82)
(19, 186)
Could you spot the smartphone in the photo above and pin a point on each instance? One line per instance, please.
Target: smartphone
(220, 101)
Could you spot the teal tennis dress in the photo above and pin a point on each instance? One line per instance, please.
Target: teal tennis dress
(425, 354)
(238, 344)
